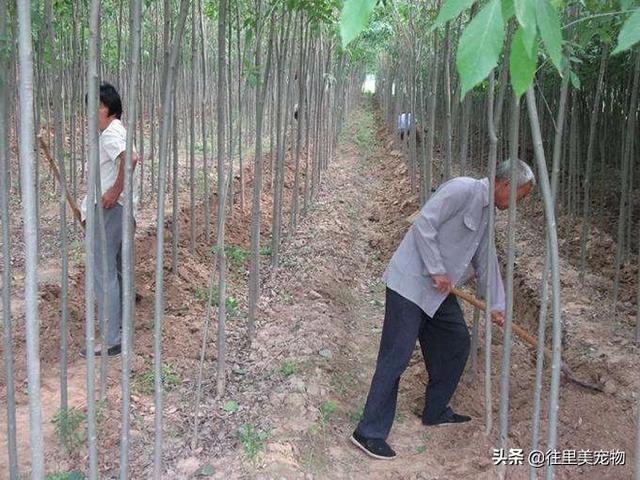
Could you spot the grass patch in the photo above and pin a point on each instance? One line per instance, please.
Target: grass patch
(145, 383)
(356, 414)
(327, 410)
(288, 368)
(75, 475)
(231, 303)
(236, 255)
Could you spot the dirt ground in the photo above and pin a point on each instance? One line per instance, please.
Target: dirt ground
(294, 396)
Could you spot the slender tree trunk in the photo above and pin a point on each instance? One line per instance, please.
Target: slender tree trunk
(192, 135)
(493, 145)
(222, 29)
(427, 170)
(586, 184)
(302, 99)
(447, 103)
(128, 263)
(261, 92)
(550, 223)
(165, 121)
(175, 180)
(626, 160)
(542, 318)
(92, 169)
(241, 59)
(5, 185)
(276, 218)
(511, 238)
(204, 114)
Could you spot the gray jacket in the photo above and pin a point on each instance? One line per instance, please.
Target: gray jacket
(449, 235)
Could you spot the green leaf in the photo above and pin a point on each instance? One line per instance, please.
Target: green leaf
(575, 81)
(629, 34)
(205, 471)
(354, 18)
(526, 15)
(231, 406)
(480, 46)
(550, 31)
(522, 63)
(451, 10)
(508, 10)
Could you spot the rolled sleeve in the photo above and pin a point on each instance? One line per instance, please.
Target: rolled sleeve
(480, 262)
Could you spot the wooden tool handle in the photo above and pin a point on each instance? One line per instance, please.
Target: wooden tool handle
(56, 173)
(529, 339)
(519, 331)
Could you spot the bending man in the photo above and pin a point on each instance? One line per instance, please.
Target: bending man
(449, 235)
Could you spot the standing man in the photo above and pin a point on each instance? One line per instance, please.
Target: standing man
(404, 120)
(113, 143)
(450, 233)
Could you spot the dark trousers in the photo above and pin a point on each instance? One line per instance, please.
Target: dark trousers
(444, 340)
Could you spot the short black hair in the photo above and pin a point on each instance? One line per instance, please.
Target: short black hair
(110, 97)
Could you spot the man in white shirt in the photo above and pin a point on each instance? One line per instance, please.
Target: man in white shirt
(113, 143)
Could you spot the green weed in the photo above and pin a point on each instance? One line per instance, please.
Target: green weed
(327, 410)
(252, 440)
(356, 414)
(236, 255)
(288, 368)
(231, 303)
(69, 428)
(231, 406)
(145, 383)
(75, 475)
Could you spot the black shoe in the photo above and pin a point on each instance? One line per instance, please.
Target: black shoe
(452, 420)
(112, 352)
(374, 447)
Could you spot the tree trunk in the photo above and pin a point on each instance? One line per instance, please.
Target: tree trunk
(128, 262)
(511, 238)
(5, 184)
(261, 92)
(222, 29)
(586, 184)
(550, 224)
(165, 121)
(92, 169)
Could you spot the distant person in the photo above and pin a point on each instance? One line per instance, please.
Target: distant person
(404, 122)
(450, 233)
(113, 143)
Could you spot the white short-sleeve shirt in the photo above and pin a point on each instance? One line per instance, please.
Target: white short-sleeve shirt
(113, 141)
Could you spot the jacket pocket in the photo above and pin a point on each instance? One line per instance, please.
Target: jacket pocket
(470, 222)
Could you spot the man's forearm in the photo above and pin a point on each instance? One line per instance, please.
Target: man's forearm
(118, 185)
